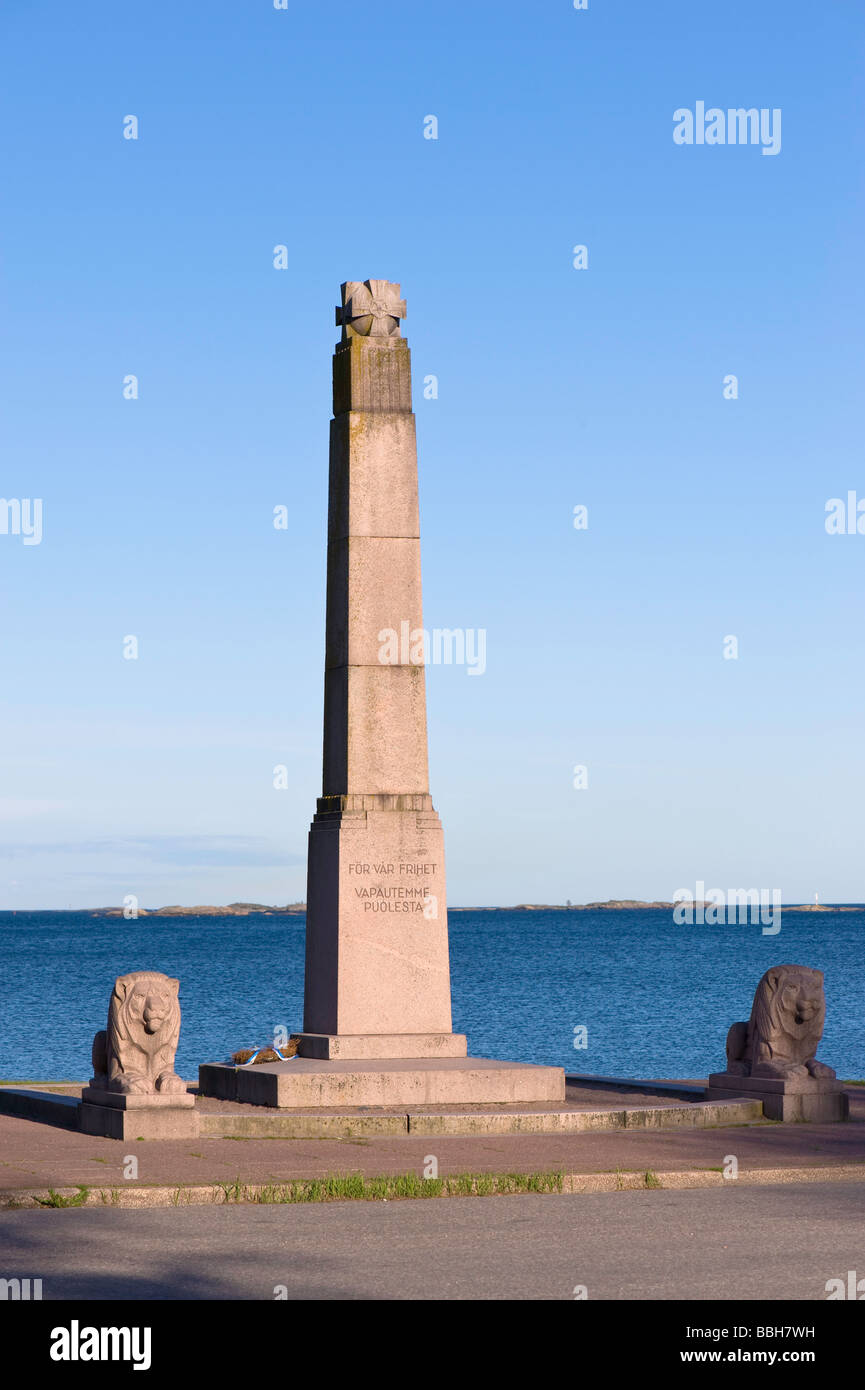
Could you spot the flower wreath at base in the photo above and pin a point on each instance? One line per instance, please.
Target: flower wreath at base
(250, 1056)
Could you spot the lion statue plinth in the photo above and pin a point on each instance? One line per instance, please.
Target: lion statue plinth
(786, 1024)
(135, 1054)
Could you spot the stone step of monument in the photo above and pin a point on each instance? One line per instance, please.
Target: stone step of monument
(291, 1124)
(308, 1081)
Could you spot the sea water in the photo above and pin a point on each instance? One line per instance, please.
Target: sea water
(649, 998)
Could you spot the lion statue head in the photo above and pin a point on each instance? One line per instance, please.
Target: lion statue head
(780, 1040)
(135, 1055)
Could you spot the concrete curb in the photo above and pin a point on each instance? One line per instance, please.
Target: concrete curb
(707, 1177)
(132, 1198)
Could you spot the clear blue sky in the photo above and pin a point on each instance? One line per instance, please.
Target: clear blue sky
(557, 387)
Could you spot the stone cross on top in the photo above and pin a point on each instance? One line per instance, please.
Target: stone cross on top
(370, 309)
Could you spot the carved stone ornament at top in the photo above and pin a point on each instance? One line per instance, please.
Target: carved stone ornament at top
(370, 309)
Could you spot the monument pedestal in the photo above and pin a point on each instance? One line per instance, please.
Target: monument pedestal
(113, 1115)
(815, 1099)
(306, 1082)
(376, 929)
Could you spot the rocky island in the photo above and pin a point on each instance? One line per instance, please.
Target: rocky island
(293, 909)
(232, 910)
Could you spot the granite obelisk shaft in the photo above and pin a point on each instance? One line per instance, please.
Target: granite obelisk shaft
(377, 970)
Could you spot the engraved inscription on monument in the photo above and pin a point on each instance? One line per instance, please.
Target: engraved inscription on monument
(397, 887)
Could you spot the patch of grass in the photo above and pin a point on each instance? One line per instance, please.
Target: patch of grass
(650, 1179)
(853, 1083)
(231, 1191)
(353, 1187)
(56, 1199)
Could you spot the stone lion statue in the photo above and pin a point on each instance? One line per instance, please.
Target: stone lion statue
(135, 1054)
(786, 1025)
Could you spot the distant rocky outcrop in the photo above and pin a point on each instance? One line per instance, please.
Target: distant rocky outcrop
(232, 910)
(611, 905)
(622, 904)
(291, 909)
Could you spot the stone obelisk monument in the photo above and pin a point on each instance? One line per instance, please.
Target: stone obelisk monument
(377, 971)
(377, 1005)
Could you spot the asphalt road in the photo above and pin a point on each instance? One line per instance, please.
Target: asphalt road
(772, 1242)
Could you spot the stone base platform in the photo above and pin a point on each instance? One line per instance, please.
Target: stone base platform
(338, 1082)
(368, 1046)
(115, 1116)
(591, 1104)
(815, 1099)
